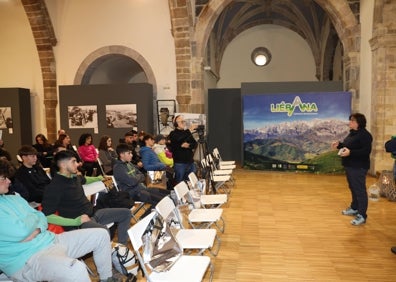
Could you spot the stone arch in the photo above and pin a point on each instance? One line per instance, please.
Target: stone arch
(90, 63)
(342, 17)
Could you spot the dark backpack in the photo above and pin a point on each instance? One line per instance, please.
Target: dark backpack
(114, 199)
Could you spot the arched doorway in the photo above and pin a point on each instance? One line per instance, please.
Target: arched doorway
(115, 64)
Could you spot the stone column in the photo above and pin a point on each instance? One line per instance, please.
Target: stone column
(45, 39)
(181, 29)
(352, 77)
(197, 86)
(383, 46)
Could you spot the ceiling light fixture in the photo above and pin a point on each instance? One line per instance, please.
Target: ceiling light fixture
(261, 56)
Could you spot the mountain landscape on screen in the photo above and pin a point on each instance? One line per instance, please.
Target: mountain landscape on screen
(293, 143)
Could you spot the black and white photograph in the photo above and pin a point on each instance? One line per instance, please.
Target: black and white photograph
(121, 116)
(166, 113)
(83, 116)
(5, 117)
(192, 119)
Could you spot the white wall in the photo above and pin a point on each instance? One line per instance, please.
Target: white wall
(81, 27)
(292, 58)
(142, 25)
(366, 18)
(19, 61)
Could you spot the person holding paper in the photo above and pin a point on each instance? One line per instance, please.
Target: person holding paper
(66, 196)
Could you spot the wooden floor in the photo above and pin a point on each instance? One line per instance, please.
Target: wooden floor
(289, 227)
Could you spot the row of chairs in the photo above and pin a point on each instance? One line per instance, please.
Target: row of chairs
(200, 239)
(218, 172)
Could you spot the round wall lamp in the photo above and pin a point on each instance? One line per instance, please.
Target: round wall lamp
(261, 56)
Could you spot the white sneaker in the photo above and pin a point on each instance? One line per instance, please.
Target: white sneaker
(349, 211)
(359, 219)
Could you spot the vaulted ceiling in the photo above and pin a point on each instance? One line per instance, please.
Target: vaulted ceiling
(305, 17)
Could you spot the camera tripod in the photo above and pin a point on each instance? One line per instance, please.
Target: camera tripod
(201, 151)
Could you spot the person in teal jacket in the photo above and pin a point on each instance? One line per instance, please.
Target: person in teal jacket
(29, 252)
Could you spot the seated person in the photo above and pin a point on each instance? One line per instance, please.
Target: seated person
(129, 178)
(88, 154)
(61, 131)
(31, 175)
(28, 247)
(44, 149)
(3, 152)
(65, 195)
(131, 139)
(107, 154)
(160, 148)
(151, 161)
(65, 145)
(149, 157)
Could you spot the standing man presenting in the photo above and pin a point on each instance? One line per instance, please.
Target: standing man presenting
(182, 144)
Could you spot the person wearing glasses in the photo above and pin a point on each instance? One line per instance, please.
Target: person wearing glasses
(182, 145)
(355, 155)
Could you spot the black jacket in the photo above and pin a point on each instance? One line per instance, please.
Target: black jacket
(34, 179)
(66, 195)
(182, 155)
(359, 143)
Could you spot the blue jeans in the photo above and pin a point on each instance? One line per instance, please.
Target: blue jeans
(120, 216)
(356, 178)
(182, 170)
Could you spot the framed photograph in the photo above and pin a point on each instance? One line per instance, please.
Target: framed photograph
(193, 120)
(5, 117)
(166, 112)
(83, 116)
(121, 116)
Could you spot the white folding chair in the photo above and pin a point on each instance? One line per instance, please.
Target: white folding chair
(186, 268)
(92, 191)
(200, 239)
(199, 218)
(136, 208)
(101, 166)
(207, 201)
(219, 165)
(216, 170)
(217, 155)
(217, 182)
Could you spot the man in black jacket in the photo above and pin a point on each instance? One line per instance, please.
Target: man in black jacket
(65, 195)
(182, 145)
(31, 175)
